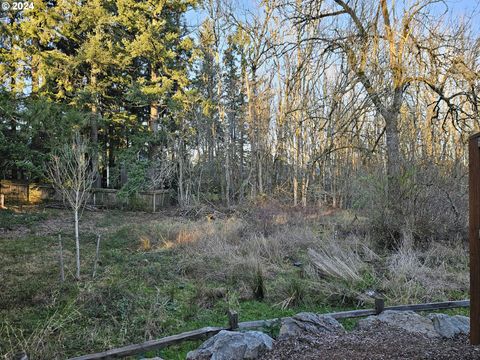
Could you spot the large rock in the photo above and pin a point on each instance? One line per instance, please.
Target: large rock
(450, 326)
(233, 345)
(309, 324)
(406, 320)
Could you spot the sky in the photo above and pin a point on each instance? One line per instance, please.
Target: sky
(462, 6)
(453, 8)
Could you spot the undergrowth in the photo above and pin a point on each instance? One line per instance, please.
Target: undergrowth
(161, 275)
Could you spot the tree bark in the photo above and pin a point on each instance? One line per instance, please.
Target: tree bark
(393, 152)
(94, 129)
(153, 120)
(77, 243)
(253, 131)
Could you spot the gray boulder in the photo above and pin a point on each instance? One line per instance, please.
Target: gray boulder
(233, 345)
(309, 324)
(406, 320)
(450, 326)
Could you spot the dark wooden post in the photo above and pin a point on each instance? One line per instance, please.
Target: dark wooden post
(474, 236)
(232, 319)
(379, 305)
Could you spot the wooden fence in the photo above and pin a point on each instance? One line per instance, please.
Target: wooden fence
(25, 193)
(207, 332)
(146, 200)
(30, 193)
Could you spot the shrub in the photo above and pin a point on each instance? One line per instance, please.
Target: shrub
(430, 205)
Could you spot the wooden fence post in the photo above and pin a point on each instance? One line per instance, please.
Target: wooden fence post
(232, 319)
(379, 301)
(474, 235)
(379, 305)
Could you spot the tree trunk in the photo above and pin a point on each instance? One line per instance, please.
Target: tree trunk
(394, 156)
(305, 181)
(181, 192)
(295, 185)
(260, 173)
(227, 172)
(77, 243)
(34, 73)
(62, 272)
(253, 134)
(94, 130)
(152, 123)
(153, 119)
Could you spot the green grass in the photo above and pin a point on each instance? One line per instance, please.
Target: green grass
(137, 294)
(451, 312)
(10, 219)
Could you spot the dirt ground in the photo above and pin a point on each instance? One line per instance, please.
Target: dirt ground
(381, 343)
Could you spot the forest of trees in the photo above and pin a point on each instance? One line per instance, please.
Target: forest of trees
(299, 100)
(314, 153)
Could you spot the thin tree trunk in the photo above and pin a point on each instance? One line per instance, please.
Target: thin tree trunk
(153, 120)
(94, 130)
(241, 162)
(62, 273)
(180, 176)
(260, 173)
(77, 243)
(97, 253)
(304, 190)
(227, 172)
(253, 133)
(295, 185)
(34, 72)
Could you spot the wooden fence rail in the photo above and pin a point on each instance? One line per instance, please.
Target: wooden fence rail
(30, 193)
(207, 332)
(153, 344)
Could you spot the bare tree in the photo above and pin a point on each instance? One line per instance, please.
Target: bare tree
(160, 172)
(72, 177)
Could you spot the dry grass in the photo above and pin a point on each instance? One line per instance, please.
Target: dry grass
(160, 272)
(36, 342)
(437, 273)
(230, 251)
(337, 263)
(339, 267)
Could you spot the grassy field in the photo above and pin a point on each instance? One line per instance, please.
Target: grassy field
(178, 270)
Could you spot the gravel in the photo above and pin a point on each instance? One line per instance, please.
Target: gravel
(381, 342)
